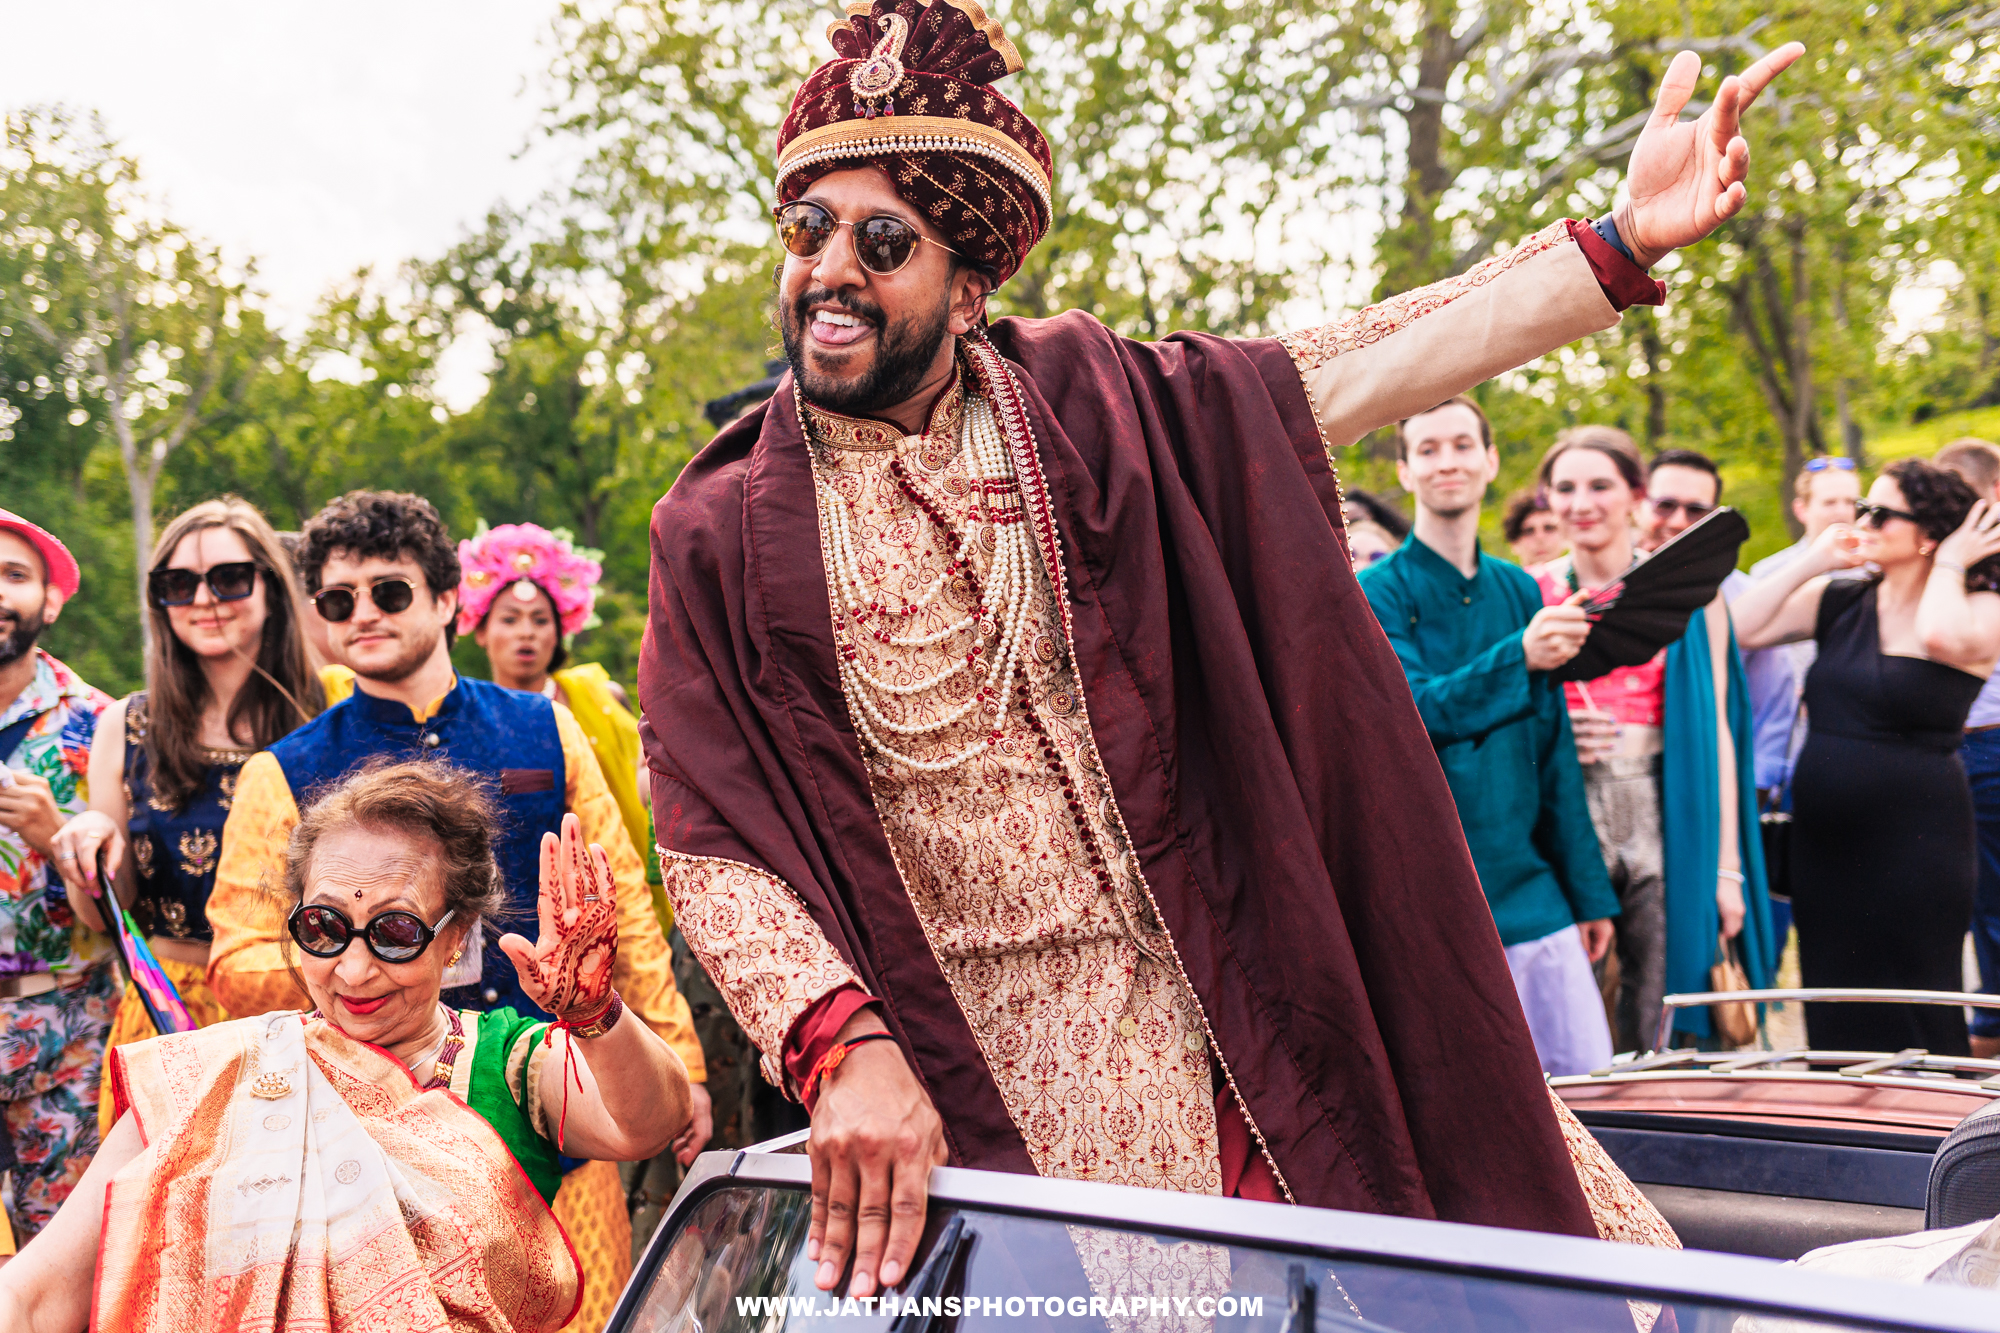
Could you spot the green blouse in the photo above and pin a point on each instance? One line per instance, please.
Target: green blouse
(500, 1086)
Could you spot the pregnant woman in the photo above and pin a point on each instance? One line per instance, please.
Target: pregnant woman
(1883, 831)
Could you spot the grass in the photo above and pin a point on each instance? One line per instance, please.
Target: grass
(1930, 436)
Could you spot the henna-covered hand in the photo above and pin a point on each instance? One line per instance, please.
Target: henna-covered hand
(568, 970)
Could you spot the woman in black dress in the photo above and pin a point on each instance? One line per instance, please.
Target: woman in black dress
(1883, 844)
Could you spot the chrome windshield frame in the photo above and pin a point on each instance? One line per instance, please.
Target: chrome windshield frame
(1744, 1284)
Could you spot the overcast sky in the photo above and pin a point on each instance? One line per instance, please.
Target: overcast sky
(314, 137)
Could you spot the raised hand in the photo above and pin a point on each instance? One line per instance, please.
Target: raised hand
(1976, 539)
(1685, 179)
(568, 970)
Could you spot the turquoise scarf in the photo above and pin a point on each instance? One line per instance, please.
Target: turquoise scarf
(1691, 819)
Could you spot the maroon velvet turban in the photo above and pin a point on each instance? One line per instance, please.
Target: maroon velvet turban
(907, 91)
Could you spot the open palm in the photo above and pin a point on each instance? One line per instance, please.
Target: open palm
(1685, 178)
(568, 970)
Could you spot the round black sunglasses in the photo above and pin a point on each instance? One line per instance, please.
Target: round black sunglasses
(390, 595)
(883, 244)
(393, 937)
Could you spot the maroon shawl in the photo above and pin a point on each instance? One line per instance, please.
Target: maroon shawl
(1279, 788)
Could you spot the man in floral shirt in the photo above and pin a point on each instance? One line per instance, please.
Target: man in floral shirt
(57, 989)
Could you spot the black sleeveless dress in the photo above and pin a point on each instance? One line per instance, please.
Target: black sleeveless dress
(1883, 841)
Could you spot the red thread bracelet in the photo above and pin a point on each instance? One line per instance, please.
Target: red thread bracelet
(831, 1060)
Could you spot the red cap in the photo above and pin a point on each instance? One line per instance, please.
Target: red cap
(61, 564)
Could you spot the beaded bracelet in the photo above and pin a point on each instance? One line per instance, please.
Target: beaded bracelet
(831, 1061)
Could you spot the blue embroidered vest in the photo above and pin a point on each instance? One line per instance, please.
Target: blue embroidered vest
(505, 735)
(176, 849)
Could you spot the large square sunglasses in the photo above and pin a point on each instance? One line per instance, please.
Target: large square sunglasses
(336, 604)
(1871, 515)
(882, 244)
(394, 936)
(229, 582)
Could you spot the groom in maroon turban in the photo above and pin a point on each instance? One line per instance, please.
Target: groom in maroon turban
(1029, 772)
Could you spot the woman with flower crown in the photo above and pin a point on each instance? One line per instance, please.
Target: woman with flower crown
(524, 593)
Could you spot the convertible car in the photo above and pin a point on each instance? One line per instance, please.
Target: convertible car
(1022, 1253)
(1775, 1153)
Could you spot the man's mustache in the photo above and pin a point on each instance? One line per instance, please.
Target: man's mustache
(847, 301)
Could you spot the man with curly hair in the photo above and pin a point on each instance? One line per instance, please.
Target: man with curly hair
(57, 990)
(384, 577)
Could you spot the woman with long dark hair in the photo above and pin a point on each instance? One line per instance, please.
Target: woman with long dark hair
(1882, 828)
(227, 673)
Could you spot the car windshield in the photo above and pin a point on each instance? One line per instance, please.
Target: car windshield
(738, 1265)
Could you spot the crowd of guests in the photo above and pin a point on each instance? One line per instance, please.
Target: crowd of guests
(1799, 756)
(319, 662)
(1819, 750)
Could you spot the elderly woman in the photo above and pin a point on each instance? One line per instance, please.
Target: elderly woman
(380, 1161)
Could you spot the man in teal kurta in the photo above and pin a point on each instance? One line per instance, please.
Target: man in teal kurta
(1477, 644)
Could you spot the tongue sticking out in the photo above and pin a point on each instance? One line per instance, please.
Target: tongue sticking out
(827, 331)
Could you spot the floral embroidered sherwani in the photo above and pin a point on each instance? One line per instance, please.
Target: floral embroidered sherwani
(1073, 991)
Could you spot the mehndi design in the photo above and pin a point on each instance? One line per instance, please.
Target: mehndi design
(567, 971)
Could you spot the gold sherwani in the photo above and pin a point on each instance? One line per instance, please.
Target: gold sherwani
(1068, 983)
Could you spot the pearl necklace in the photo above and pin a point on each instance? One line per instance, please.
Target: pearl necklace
(1001, 609)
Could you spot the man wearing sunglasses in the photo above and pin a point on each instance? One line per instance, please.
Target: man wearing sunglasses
(1013, 712)
(384, 576)
(57, 988)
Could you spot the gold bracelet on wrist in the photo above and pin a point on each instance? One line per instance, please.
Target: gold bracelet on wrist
(603, 1023)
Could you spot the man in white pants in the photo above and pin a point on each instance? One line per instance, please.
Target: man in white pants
(1477, 645)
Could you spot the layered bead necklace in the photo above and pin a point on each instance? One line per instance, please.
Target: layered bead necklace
(994, 629)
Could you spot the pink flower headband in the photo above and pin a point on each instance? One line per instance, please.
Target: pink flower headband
(518, 559)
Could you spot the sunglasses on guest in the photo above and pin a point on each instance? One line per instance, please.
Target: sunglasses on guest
(230, 582)
(336, 604)
(1871, 515)
(1822, 464)
(393, 937)
(882, 244)
(1665, 506)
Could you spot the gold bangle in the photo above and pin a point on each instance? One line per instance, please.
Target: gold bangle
(603, 1023)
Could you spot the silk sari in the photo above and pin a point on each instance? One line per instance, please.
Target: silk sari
(295, 1178)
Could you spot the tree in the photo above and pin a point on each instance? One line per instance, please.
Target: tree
(154, 344)
(1859, 164)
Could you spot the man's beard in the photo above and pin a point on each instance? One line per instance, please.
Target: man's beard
(18, 632)
(904, 354)
(407, 664)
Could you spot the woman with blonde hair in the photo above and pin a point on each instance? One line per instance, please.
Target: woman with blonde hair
(227, 673)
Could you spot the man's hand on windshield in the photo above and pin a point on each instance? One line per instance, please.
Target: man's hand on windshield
(875, 1137)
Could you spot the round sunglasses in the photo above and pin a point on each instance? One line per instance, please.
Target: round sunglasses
(229, 582)
(882, 244)
(390, 595)
(393, 937)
